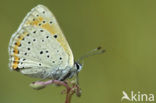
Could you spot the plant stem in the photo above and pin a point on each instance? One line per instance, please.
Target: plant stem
(69, 90)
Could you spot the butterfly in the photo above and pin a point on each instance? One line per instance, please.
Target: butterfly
(39, 48)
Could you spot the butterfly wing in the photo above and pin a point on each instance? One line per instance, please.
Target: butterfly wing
(39, 44)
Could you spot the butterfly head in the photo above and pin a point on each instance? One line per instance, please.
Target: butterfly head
(78, 66)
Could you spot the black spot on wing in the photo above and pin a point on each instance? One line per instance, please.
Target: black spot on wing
(28, 34)
(50, 22)
(44, 21)
(25, 53)
(34, 39)
(47, 36)
(20, 45)
(41, 52)
(34, 32)
(41, 30)
(29, 42)
(55, 36)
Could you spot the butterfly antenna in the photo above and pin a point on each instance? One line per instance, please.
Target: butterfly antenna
(93, 52)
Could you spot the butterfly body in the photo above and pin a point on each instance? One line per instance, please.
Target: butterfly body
(39, 48)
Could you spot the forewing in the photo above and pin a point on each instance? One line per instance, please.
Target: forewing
(39, 41)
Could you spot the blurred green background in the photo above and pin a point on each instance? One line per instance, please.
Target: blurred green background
(125, 28)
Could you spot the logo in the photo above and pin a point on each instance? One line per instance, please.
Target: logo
(137, 96)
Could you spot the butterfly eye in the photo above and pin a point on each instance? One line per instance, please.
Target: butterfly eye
(77, 66)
